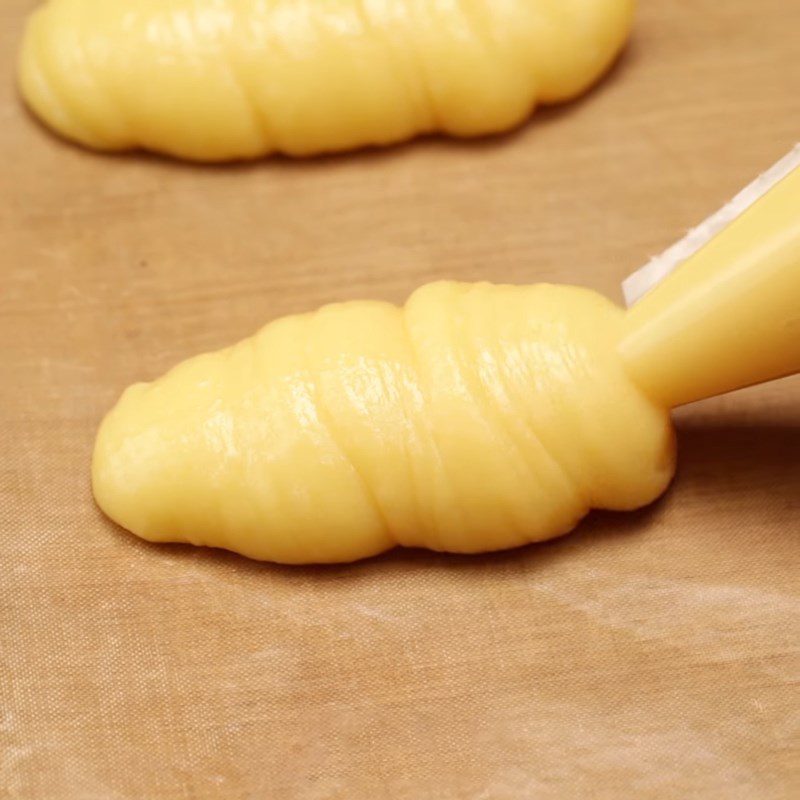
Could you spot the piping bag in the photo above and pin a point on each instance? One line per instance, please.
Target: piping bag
(317, 440)
(720, 310)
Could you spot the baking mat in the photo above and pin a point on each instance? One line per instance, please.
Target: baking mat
(649, 655)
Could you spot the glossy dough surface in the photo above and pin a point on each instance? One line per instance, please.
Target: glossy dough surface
(228, 79)
(478, 417)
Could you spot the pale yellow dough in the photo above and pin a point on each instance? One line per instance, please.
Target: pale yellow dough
(214, 80)
(477, 417)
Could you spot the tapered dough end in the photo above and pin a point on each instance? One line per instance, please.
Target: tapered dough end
(164, 469)
(39, 95)
(59, 88)
(598, 35)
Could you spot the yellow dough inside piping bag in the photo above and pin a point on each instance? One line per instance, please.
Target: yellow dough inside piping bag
(215, 80)
(477, 417)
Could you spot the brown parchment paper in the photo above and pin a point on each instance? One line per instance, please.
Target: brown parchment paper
(649, 655)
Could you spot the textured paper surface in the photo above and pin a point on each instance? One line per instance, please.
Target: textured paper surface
(651, 655)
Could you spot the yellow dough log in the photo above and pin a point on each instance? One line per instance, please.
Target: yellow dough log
(214, 80)
(477, 417)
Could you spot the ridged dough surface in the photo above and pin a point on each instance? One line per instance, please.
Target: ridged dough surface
(477, 417)
(216, 80)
